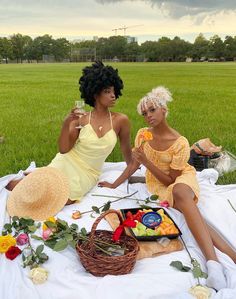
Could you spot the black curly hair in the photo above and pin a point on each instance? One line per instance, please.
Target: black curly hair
(97, 77)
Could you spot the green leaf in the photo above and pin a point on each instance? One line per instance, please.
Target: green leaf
(60, 245)
(83, 231)
(154, 197)
(36, 237)
(15, 218)
(74, 226)
(178, 265)
(95, 209)
(28, 260)
(106, 206)
(50, 224)
(61, 223)
(43, 256)
(73, 243)
(7, 226)
(50, 243)
(32, 228)
(39, 249)
(68, 237)
(197, 272)
(26, 221)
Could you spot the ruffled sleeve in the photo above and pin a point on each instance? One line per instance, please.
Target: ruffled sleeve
(139, 137)
(181, 154)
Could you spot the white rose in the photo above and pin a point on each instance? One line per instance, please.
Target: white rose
(38, 275)
(200, 292)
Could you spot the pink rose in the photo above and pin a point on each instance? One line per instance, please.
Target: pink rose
(47, 233)
(164, 204)
(22, 239)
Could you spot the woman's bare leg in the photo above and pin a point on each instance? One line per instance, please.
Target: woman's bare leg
(221, 244)
(184, 202)
(216, 239)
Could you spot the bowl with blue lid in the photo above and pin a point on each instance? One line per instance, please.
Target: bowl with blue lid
(151, 224)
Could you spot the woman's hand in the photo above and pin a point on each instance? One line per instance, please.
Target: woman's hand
(75, 114)
(106, 184)
(69, 132)
(139, 155)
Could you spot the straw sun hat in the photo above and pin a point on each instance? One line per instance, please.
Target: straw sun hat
(41, 194)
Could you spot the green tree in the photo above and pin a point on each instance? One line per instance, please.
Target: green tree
(6, 51)
(132, 51)
(19, 44)
(216, 47)
(61, 49)
(230, 48)
(180, 49)
(116, 46)
(165, 49)
(200, 47)
(42, 45)
(150, 50)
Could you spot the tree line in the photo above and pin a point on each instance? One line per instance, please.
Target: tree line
(19, 48)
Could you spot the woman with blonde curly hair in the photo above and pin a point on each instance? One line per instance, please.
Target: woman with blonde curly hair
(169, 175)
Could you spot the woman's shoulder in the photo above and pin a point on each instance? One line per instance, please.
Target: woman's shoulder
(180, 143)
(120, 118)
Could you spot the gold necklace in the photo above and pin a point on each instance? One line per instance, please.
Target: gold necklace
(101, 127)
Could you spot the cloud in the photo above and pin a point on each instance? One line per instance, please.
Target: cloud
(180, 8)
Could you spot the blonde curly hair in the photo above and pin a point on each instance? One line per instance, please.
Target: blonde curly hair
(159, 97)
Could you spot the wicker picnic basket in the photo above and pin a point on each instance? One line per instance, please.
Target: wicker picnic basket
(100, 264)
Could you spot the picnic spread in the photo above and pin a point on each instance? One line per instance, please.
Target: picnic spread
(151, 275)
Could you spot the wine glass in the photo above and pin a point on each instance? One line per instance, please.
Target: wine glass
(79, 109)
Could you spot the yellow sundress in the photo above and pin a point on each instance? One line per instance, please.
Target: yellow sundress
(83, 163)
(175, 157)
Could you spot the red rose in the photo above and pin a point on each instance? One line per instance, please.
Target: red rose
(13, 252)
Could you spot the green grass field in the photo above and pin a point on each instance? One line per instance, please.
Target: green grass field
(34, 99)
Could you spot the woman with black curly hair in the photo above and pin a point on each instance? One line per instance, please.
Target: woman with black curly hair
(83, 151)
(87, 139)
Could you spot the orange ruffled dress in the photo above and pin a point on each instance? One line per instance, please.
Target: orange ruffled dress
(175, 157)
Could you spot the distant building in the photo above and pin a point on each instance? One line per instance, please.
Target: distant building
(131, 39)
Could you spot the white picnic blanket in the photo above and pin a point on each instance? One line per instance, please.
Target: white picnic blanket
(151, 277)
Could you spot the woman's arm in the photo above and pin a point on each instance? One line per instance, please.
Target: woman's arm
(124, 136)
(167, 180)
(69, 133)
(161, 176)
(129, 170)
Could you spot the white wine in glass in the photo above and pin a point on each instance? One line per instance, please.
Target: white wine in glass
(79, 109)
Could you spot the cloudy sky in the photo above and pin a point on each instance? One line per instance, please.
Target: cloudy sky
(145, 19)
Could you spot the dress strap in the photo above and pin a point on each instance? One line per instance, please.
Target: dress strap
(90, 112)
(111, 119)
